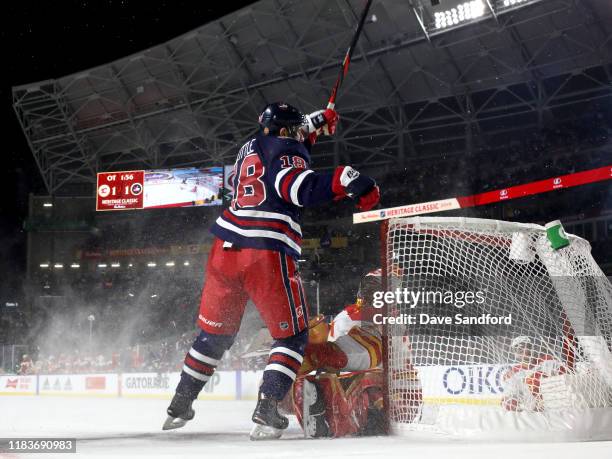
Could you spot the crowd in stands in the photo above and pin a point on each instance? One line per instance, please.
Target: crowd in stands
(563, 150)
(160, 357)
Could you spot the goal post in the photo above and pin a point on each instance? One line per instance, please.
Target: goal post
(490, 332)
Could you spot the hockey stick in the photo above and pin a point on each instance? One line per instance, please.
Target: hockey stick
(347, 58)
(505, 194)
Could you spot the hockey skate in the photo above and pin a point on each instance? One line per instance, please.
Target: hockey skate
(269, 424)
(179, 412)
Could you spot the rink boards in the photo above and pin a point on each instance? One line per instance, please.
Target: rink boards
(223, 385)
(465, 384)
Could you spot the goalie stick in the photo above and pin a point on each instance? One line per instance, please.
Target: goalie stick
(347, 57)
(504, 194)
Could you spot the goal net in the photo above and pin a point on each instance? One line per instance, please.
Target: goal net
(508, 337)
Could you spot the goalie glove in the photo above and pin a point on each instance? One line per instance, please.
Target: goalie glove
(323, 356)
(349, 182)
(320, 122)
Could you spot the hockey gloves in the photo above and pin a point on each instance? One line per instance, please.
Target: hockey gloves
(349, 182)
(320, 122)
(369, 200)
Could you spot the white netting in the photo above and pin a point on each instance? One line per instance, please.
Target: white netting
(469, 380)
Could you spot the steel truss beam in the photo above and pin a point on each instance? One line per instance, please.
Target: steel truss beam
(408, 96)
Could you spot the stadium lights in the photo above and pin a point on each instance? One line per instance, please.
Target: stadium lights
(170, 263)
(102, 265)
(186, 263)
(115, 265)
(130, 265)
(463, 12)
(44, 265)
(513, 2)
(151, 264)
(75, 265)
(58, 265)
(47, 204)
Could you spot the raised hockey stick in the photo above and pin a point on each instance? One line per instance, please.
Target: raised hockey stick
(347, 58)
(541, 186)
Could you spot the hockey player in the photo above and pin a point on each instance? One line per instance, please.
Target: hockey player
(352, 341)
(521, 382)
(352, 315)
(257, 240)
(345, 396)
(331, 404)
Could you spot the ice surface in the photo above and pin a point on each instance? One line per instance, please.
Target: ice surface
(170, 193)
(114, 427)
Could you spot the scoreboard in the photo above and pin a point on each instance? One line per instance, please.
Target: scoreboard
(160, 188)
(120, 190)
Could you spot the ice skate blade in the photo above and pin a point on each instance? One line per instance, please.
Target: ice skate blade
(259, 432)
(173, 423)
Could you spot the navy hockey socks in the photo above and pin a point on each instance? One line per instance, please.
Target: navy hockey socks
(201, 361)
(283, 365)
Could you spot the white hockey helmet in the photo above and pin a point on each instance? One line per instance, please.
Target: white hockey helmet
(521, 341)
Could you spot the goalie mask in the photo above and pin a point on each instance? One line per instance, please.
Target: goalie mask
(371, 283)
(318, 329)
(523, 348)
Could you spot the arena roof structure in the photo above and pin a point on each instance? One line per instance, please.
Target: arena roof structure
(424, 81)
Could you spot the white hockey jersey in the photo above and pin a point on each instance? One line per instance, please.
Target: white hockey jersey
(359, 340)
(521, 383)
(346, 319)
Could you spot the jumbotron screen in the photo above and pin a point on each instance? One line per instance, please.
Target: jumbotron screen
(161, 188)
(183, 187)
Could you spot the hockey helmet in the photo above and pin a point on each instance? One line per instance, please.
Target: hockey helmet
(318, 329)
(521, 341)
(281, 115)
(369, 284)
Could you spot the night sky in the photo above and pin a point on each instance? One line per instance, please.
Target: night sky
(44, 40)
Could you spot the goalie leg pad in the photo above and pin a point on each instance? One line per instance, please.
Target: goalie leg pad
(314, 422)
(347, 402)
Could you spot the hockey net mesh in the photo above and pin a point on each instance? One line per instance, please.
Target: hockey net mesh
(560, 302)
